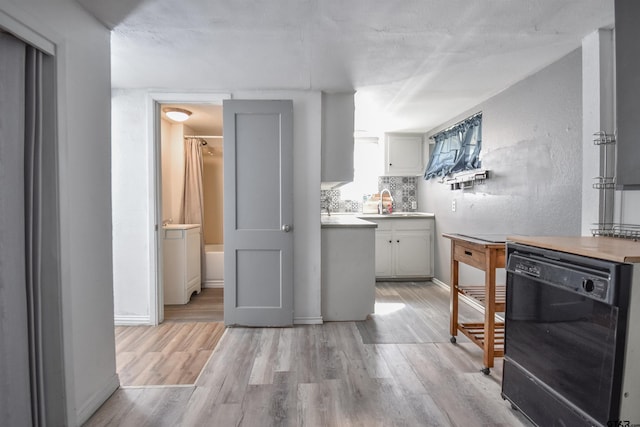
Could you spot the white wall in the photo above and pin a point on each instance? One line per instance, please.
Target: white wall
(83, 79)
(132, 209)
(532, 146)
(133, 203)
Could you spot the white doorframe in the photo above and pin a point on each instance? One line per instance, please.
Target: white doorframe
(156, 301)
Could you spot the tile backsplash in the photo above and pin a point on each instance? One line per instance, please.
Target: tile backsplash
(403, 190)
(333, 199)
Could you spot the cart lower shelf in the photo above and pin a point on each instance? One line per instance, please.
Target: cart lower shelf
(475, 332)
(478, 293)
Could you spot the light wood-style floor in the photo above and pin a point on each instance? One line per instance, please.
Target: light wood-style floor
(174, 352)
(335, 374)
(207, 306)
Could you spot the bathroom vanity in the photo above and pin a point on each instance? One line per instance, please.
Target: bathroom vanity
(182, 273)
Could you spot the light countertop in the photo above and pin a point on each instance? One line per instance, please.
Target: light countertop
(485, 240)
(180, 226)
(356, 219)
(396, 215)
(608, 248)
(350, 221)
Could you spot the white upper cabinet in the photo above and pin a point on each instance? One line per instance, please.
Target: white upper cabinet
(403, 154)
(337, 138)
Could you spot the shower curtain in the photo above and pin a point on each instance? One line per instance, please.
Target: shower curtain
(193, 202)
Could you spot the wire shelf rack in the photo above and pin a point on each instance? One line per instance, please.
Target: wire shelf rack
(625, 231)
(603, 138)
(604, 183)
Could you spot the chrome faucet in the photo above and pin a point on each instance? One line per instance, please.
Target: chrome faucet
(327, 205)
(380, 204)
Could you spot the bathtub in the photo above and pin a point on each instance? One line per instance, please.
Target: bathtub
(214, 266)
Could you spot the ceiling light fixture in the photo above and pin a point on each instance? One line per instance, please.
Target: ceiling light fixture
(177, 114)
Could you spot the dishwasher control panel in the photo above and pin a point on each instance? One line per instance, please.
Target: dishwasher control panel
(573, 278)
(596, 287)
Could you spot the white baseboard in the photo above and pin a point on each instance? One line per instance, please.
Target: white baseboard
(307, 320)
(131, 320)
(213, 284)
(440, 283)
(96, 400)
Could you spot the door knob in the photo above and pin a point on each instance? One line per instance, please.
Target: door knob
(286, 228)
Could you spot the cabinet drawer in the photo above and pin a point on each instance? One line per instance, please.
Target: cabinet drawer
(412, 224)
(469, 255)
(383, 225)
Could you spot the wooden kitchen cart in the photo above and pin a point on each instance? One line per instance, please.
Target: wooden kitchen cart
(487, 253)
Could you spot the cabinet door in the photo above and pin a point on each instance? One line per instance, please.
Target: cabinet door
(337, 137)
(193, 257)
(627, 94)
(413, 257)
(403, 154)
(384, 247)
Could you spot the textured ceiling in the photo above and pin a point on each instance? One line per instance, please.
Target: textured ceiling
(413, 63)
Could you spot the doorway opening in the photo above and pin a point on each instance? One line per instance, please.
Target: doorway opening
(193, 325)
(190, 193)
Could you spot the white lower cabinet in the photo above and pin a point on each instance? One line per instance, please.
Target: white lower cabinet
(181, 260)
(404, 248)
(384, 252)
(348, 281)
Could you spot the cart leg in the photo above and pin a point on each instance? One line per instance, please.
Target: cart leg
(485, 371)
(489, 310)
(453, 295)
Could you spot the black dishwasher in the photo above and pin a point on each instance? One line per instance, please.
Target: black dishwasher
(565, 327)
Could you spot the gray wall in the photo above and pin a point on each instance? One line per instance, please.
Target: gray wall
(532, 143)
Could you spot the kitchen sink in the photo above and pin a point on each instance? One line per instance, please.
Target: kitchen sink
(399, 215)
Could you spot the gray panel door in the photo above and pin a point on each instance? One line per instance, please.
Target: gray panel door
(258, 212)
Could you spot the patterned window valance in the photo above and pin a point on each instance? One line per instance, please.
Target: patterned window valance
(456, 148)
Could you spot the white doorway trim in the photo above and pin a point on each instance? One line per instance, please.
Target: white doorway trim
(154, 99)
(20, 25)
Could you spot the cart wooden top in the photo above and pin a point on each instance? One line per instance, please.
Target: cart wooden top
(485, 240)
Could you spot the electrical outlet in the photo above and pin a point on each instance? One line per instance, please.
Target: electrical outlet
(414, 204)
(453, 205)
